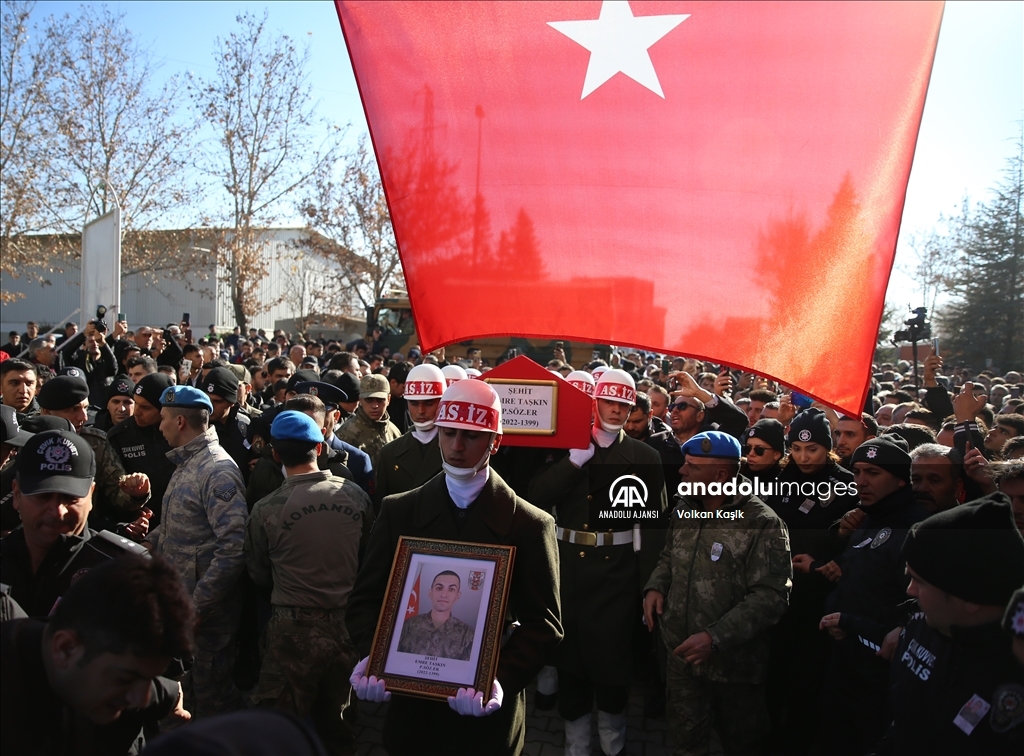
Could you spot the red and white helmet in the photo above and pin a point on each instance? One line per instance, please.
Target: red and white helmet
(598, 371)
(470, 405)
(582, 380)
(454, 373)
(425, 382)
(616, 386)
(473, 373)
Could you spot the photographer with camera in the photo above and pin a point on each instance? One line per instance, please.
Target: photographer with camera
(89, 352)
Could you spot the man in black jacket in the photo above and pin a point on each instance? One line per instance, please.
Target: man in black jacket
(955, 685)
(866, 604)
(88, 680)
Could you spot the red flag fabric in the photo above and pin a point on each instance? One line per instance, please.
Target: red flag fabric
(413, 607)
(721, 180)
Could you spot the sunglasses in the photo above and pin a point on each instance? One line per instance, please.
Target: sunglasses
(681, 407)
(759, 451)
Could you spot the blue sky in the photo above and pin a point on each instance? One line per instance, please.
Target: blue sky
(970, 127)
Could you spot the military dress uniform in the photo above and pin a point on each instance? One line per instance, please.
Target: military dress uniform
(404, 464)
(601, 572)
(201, 534)
(302, 543)
(496, 516)
(731, 578)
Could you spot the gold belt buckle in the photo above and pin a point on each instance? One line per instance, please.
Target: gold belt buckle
(584, 538)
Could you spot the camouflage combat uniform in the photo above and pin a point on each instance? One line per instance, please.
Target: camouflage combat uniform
(731, 578)
(452, 640)
(201, 534)
(369, 435)
(303, 543)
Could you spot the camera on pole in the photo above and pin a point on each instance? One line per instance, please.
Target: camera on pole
(918, 329)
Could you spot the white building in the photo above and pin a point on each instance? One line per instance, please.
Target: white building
(156, 301)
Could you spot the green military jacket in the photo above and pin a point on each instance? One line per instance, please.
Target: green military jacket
(369, 435)
(730, 577)
(405, 464)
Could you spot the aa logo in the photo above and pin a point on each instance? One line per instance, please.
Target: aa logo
(629, 491)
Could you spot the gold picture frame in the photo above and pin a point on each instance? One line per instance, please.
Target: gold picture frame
(418, 649)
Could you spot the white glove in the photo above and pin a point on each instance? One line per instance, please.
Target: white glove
(368, 688)
(470, 703)
(580, 457)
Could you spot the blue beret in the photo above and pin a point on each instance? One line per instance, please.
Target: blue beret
(713, 444)
(326, 392)
(296, 426)
(185, 397)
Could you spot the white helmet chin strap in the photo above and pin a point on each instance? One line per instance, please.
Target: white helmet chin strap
(466, 473)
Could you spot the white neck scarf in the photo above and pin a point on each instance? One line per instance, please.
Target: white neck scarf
(465, 490)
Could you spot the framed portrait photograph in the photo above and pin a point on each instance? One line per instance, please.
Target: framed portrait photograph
(441, 623)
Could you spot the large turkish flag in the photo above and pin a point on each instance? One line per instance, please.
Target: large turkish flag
(722, 180)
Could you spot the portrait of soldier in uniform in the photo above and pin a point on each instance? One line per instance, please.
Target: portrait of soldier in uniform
(438, 632)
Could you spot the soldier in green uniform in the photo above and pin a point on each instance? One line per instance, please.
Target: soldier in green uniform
(411, 460)
(302, 543)
(602, 573)
(722, 581)
(439, 632)
(469, 502)
(370, 428)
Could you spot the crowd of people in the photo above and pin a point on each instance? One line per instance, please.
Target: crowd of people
(198, 535)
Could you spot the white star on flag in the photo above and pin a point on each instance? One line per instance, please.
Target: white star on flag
(618, 42)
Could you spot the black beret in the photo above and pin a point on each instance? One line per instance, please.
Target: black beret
(62, 392)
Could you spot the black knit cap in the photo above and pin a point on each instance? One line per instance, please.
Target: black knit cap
(222, 382)
(973, 551)
(769, 430)
(811, 426)
(888, 452)
(349, 384)
(122, 385)
(151, 386)
(62, 392)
